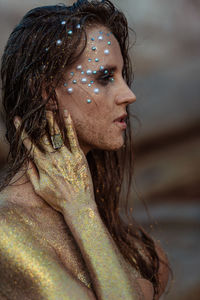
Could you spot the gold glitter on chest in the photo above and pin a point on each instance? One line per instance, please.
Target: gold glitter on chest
(27, 230)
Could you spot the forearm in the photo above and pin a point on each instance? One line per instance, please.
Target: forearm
(109, 276)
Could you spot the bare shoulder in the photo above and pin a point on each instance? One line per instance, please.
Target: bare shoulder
(28, 269)
(146, 286)
(18, 253)
(164, 269)
(13, 216)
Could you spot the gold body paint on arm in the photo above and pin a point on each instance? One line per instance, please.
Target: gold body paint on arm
(110, 279)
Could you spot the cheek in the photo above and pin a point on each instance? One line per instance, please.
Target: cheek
(81, 88)
(91, 113)
(89, 120)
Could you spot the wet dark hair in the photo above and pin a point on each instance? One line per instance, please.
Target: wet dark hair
(32, 62)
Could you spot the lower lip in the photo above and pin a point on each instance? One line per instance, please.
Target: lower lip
(122, 125)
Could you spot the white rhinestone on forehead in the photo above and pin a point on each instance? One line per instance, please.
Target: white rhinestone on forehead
(70, 32)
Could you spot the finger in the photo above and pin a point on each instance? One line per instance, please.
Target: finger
(56, 137)
(46, 143)
(53, 126)
(71, 133)
(27, 142)
(17, 122)
(33, 175)
(24, 137)
(29, 145)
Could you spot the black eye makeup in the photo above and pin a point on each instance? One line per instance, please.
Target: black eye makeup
(106, 76)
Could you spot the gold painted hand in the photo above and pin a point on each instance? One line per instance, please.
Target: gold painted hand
(61, 177)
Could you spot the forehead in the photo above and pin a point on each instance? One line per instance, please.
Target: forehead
(102, 48)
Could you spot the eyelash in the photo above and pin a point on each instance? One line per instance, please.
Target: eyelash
(105, 79)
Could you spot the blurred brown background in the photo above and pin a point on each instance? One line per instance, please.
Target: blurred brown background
(166, 60)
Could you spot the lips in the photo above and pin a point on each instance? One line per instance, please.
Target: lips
(122, 118)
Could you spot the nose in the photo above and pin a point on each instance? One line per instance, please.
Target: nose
(126, 96)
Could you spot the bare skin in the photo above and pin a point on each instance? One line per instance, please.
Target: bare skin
(51, 202)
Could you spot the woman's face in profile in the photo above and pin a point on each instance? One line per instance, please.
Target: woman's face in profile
(95, 93)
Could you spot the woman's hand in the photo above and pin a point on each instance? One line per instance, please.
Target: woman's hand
(61, 177)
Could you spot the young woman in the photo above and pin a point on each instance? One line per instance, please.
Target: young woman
(66, 79)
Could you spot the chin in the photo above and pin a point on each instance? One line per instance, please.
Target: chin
(118, 143)
(114, 146)
(109, 144)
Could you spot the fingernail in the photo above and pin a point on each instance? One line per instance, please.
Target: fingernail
(66, 113)
(47, 113)
(16, 123)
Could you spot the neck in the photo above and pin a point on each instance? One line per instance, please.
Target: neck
(84, 147)
(20, 191)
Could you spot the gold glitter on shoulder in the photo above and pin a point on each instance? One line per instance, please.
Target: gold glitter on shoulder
(28, 270)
